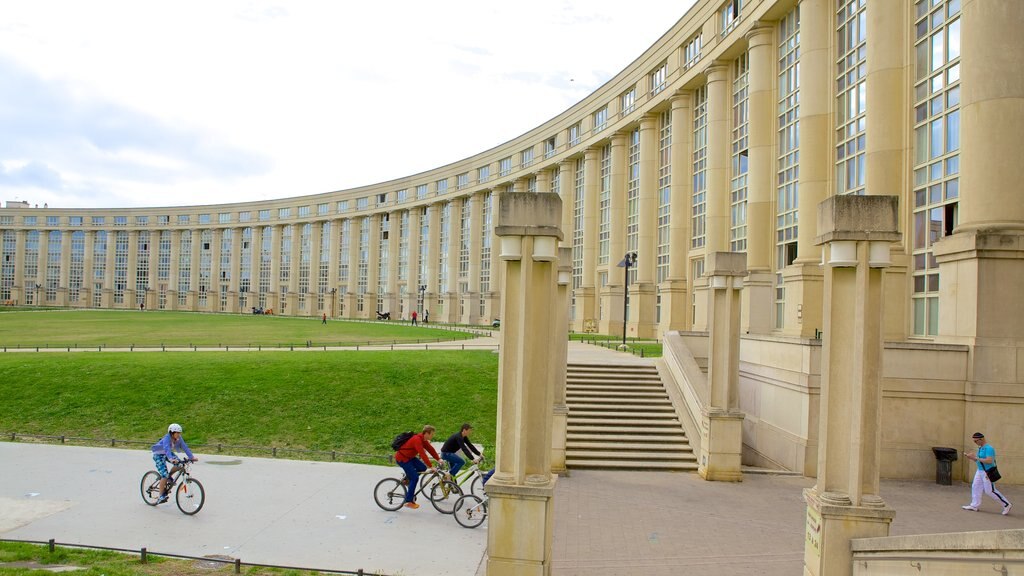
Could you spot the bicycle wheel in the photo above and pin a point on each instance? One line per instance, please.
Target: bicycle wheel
(389, 494)
(443, 496)
(150, 487)
(190, 496)
(427, 483)
(476, 486)
(470, 511)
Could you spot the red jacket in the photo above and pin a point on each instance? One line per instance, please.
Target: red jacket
(415, 446)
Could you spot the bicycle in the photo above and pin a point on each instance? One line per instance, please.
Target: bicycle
(189, 494)
(474, 471)
(470, 510)
(437, 486)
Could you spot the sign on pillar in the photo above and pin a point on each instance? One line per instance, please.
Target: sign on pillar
(521, 491)
(856, 232)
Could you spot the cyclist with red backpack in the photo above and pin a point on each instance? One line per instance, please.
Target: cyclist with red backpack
(406, 457)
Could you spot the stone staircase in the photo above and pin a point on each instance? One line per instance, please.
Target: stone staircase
(621, 418)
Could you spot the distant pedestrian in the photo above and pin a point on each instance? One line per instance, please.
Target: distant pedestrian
(426, 316)
(986, 461)
(413, 317)
(142, 306)
(325, 318)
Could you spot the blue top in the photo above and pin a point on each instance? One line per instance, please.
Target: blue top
(165, 447)
(986, 451)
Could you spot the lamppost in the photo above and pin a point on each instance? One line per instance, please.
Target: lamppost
(38, 286)
(627, 261)
(334, 298)
(422, 290)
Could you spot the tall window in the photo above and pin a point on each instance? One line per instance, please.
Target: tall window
(32, 263)
(245, 261)
(305, 263)
(664, 193)
(740, 156)
(205, 266)
(184, 266)
(383, 258)
(465, 237)
(505, 166)
(120, 265)
(403, 248)
(485, 249)
(442, 186)
(575, 132)
(323, 276)
(851, 95)
(633, 197)
(788, 161)
(266, 265)
(422, 190)
(658, 78)
(76, 270)
(691, 52)
(363, 263)
(344, 245)
(8, 251)
(53, 265)
(142, 264)
(577, 231)
(549, 147)
(604, 199)
(483, 174)
(600, 119)
(424, 233)
(444, 244)
(223, 282)
(700, 166)
(936, 148)
(526, 157)
(730, 16)
(627, 101)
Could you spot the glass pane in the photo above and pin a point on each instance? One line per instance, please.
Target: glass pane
(935, 193)
(923, 64)
(935, 225)
(953, 131)
(953, 97)
(919, 284)
(920, 229)
(933, 316)
(933, 282)
(919, 316)
(937, 51)
(920, 261)
(954, 40)
(935, 143)
(952, 189)
(920, 198)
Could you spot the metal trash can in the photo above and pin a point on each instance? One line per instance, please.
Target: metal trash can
(944, 458)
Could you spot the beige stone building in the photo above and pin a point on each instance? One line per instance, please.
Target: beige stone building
(723, 136)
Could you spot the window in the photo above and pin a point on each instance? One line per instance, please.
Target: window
(851, 97)
(142, 220)
(658, 78)
(305, 211)
(549, 147)
(244, 216)
(462, 181)
(691, 52)
(787, 162)
(575, 131)
(53, 220)
(322, 209)
(526, 157)
(627, 101)
(163, 220)
(72, 220)
(739, 156)
(182, 219)
(342, 206)
(664, 195)
(600, 119)
(442, 186)
(483, 174)
(402, 195)
(731, 16)
(700, 166)
(264, 215)
(224, 217)
(604, 199)
(362, 203)
(382, 199)
(421, 191)
(120, 220)
(31, 220)
(283, 213)
(505, 166)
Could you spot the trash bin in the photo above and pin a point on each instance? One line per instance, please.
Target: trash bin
(944, 458)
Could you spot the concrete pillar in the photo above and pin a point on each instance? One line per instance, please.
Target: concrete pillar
(107, 299)
(611, 293)
(803, 279)
(543, 181)
(452, 295)
(19, 291)
(65, 268)
(433, 257)
(351, 296)
(274, 296)
(471, 312)
(412, 291)
(522, 489)
(559, 358)
(586, 304)
(394, 231)
(759, 290)
(719, 140)
(721, 453)
(175, 270)
(493, 305)
(845, 503)
(675, 296)
(567, 190)
(644, 295)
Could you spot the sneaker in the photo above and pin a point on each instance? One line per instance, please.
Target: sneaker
(162, 500)
(1006, 509)
(412, 505)
(969, 507)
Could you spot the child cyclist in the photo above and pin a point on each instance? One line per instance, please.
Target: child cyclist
(163, 451)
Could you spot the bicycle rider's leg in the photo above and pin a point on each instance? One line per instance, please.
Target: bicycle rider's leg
(455, 462)
(488, 476)
(412, 470)
(161, 467)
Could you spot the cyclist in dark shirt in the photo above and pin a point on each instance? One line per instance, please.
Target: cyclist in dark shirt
(456, 442)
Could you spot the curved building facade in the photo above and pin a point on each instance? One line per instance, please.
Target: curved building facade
(723, 136)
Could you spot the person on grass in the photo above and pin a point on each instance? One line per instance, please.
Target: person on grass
(406, 457)
(164, 451)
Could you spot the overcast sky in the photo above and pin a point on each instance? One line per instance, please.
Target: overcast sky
(127, 103)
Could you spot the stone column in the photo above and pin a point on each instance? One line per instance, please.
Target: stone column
(107, 299)
(274, 296)
(543, 181)
(611, 294)
(643, 305)
(471, 312)
(313, 286)
(412, 291)
(88, 272)
(522, 489)
(803, 279)
(352, 294)
(433, 256)
(393, 288)
(719, 139)
(721, 453)
(675, 296)
(333, 262)
(63, 287)
(18, 294)
(759, 290)
(372, 299)
(235, 267)
(493, 306)
(175, 270)
(586, 293)
(567, 190)
(559, 358)
(452, 296)
(845, 503)
(216, 272)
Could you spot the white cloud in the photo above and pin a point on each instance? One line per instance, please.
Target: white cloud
(132, 103)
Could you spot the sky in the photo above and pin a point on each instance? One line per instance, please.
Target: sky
(112, 103)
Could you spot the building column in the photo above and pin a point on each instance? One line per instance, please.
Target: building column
(471, 312)
(235, 270)
(88, 273)
(175, 270)
(719, 140)
(274, 296)
(433, 256)
(543, 181)
(567, 190)
(412, 290)
(559, 358)
(803, 278)
(522, 489)
(586, 294)
(611, 294)
(372, 300)
(333, 260)
(393, 289)
(759, 286)
(452, 296)
(721, 452)
(63, 287)
(152, 277)
(131, 296)
(493, 296)
(18, 293)
(644, 293)
(44, 260)
(193, 283)
(352, 293)
(845, 504)
(216, 271)
(107, 298)
(981, 265)
(675, 293)
(312, 295)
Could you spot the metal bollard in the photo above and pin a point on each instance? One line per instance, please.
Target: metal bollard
(51, 545)
(238, 565)
(144, 559)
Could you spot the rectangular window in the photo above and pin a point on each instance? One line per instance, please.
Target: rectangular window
(101, 220)
(787, 162)
(731, 15)
(483, 174)
(342, 206)
(245, 216)
(627, 102)
(362, 203)
(700, 166)
(142, 220)
(740, 156)
(264, 215)
(664, 194)
(323, 209)
(600, 119)
(305, 211)
(224, 218)
(505, 166)
(283, 213)
(851, 96)
(120, 220)
(72, 220)
(441, 186)
(526, 157)
(604, 199)
(163, 220)
(402, 195)
(204, 218)
(575, 132)
(382, 199)
(462, 181)
(182, 219)
(549, 147)
(658, 78)
(691, 52)
(633, 197)
(422, 190)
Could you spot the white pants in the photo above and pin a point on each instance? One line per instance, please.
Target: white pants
(982, 485)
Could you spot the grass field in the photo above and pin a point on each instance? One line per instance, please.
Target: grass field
(346, 401)
(122, 328)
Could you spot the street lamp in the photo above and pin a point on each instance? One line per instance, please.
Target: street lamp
(422, 290)
(627, 261)
(334, 298)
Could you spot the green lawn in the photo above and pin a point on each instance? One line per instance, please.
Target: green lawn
(123, 328)
(637, 346)
(346, 401)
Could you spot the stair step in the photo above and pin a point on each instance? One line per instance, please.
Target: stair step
(616, 455)
(626, 420)
(583, 399)
(627, 438)
(680, 446)
(610, 410)
(577, 464)
(670, 432)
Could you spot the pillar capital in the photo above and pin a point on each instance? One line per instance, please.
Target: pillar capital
(851, 217)
(717, 71)
(760, 34)
(525, 214)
